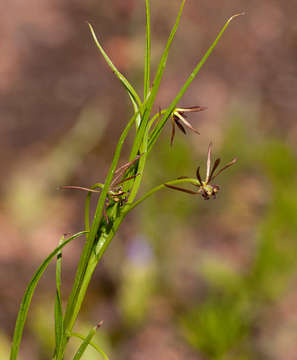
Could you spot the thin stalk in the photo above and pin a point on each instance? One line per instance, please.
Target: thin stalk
(58, 301)
(94, 230)
(149, 101)
(147, 66)
(142, 161)
(95, 257)
(85, 343)
(121, 77)
(26, 301)
(162, 64)
(95, 346)
(160, 187)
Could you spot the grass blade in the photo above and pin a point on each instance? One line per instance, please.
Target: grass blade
(147, 66)
(162, 122)
(86, 342)
(133, 94)
(58, 301)
(147, 107)
(163, 61)
(70, 314)
(95, 346)
(25, 304)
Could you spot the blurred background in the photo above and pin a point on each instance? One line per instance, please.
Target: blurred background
(184, 278)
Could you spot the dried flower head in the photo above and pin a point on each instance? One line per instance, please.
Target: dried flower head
(204, 187)
(178, 118)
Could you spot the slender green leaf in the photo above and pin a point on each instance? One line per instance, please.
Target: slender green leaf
(97, 253)
(95, 346)
(147, 66)
(70, 314)
(58, 301)
(136, 100)
(85, 343)
(155, 87)
(159, 127)
(22, 315)
(142, 161)
(162, 64)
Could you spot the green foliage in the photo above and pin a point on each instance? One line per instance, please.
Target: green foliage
(26, 301)
(87, 341)
(111, 206)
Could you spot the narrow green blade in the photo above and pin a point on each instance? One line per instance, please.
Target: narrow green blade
(148, 104)
(26, 301)
(71, 310)
(86, 342)
(147, 66)
(58, 301)
(95, 346)
(133, 95)
(163, 61)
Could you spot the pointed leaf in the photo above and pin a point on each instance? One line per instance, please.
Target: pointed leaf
(58, 301)
(120, 76)
(96, 347)
(85, 343)
(162, 65)
(26, 301)
(147, 66)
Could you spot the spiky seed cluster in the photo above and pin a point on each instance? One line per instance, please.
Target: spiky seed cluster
(178, 118)
(204, 187)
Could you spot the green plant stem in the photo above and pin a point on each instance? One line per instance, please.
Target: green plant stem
(162, 65)
(149, 101)
(100, 233)
(142, 161)
(97, 253)
(147, 66)
(85, 343)
(58, 301)
(134, 96)
(95, 257)
(95, 346)
(26, 301)
(70, 315)
(160, 187)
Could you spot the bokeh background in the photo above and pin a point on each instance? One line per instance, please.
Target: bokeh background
(184, 278)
